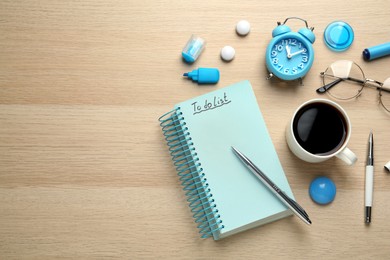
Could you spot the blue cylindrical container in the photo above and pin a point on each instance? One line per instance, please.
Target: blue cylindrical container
(193, 48)
(376, 51)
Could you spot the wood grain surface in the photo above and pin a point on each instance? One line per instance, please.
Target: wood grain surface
(84, 169)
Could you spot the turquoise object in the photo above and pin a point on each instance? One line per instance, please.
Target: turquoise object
(338, 36)
(290, 55)
(377, 51)
(193, 49)
(203, 75)
(322, 190)
(224, 196)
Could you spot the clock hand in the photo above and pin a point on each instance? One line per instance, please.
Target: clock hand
(288, 50)
(296, 53)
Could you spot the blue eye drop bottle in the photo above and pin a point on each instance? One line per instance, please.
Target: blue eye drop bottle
(193, 49)
(203, 75)
(376, 51)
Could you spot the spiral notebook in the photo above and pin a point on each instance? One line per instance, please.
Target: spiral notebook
(223, 195)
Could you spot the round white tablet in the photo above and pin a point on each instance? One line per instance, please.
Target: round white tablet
(243, 27)
(227, 53)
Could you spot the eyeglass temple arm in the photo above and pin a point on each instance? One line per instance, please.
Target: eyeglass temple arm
(381, 88)
(385, 89)
(326, 87)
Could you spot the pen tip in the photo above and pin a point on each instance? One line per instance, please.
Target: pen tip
(238, 153)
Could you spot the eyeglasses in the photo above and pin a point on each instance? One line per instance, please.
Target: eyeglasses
(345, 80)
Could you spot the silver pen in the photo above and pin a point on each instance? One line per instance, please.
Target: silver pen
(369, 185)
(294, 206)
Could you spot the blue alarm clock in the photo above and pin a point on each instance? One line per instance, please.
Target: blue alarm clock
(290, 55)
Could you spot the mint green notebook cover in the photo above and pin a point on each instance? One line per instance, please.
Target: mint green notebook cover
(231, 117)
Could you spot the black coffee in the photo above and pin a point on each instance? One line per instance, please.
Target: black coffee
(320, 128)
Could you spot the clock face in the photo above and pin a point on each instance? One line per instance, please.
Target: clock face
(289, 58)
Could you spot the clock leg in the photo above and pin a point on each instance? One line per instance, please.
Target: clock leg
(300, 81)
(270, 75)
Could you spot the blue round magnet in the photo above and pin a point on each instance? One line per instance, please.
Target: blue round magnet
(322, 190)
(338, 36)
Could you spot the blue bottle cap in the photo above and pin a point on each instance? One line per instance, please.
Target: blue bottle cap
(322, 190)
(338, 36)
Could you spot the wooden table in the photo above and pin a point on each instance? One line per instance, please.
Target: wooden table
(84, 169)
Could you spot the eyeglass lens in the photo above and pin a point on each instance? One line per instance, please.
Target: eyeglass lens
(384, 94)
(346, 79)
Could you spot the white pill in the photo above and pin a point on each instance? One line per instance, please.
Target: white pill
(227, 53)
(243, 27)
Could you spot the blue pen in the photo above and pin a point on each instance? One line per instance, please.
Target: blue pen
(376, 51)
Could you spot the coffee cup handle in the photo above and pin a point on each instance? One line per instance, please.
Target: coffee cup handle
(347, 156)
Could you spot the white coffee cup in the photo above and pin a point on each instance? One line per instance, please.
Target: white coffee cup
(300, 148)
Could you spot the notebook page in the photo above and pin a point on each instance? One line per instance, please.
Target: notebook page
(231, 117)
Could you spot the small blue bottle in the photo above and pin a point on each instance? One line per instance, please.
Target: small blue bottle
(203, 75)
(193, 48)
